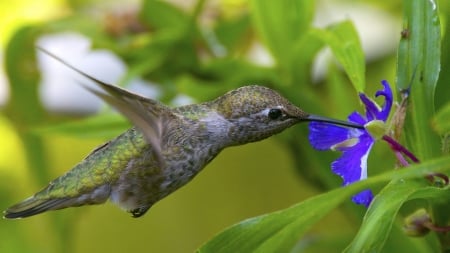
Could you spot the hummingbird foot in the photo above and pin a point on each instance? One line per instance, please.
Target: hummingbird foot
(138, 212)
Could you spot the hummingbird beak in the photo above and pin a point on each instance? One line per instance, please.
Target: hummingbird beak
(312, 117)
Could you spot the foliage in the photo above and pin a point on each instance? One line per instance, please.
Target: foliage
(183, 53)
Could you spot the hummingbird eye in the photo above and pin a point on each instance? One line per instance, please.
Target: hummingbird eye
(275, 113)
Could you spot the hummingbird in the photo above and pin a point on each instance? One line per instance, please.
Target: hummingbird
(165, 148)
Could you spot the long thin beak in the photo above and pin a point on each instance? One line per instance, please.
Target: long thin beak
(312, 117)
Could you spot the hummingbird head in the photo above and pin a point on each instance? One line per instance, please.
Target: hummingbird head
(256, 112)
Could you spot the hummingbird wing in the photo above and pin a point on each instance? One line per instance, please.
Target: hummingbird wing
(145, 114)
(149, 116)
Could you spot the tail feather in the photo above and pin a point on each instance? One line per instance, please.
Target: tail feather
(33, 206)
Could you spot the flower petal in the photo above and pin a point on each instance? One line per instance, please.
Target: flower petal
(357, 118)
(372, 108)
(323, 136)
(363, 198)
(373, 111)
(387, 94)
(355, 144)
(352, 165)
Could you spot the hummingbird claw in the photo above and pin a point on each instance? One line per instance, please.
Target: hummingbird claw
(138, 212)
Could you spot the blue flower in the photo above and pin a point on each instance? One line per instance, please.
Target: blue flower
(355, 144)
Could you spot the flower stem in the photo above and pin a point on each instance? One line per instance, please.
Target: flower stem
(398, 147)
(401, 159)
(436, 228)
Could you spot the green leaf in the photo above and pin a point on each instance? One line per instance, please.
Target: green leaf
(441, 122)
(280, 231)
(281, 23)
(163, 15)
(442, 87)
(221, 75)
(398, 241)
(275, 232)
(24, 107)
(342, 100)
(100, 126)
(382, 213)
(343, 40)
(418, 70)
(169, 48)
(232, 35)
(303, 54)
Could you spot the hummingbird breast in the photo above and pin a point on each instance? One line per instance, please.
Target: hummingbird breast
(187, 147)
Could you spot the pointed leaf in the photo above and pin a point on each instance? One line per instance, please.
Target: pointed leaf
(418, 70)
(344, 42)
(280, 231)
(382, 213)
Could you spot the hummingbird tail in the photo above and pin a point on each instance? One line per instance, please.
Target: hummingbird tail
(32, 206)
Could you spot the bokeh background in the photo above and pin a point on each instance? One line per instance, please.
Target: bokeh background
(178, 52)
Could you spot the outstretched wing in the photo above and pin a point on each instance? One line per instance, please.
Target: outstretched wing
(149, 116)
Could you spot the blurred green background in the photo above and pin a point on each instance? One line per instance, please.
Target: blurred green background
(201, 49)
